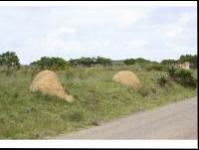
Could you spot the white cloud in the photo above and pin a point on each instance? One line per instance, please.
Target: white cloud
(178, 30)
(129, 18)
(135, 45)
(62, 31)
(116, 32)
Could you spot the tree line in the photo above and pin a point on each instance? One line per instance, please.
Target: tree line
(192, 59)
(90, 61)
(10, 61)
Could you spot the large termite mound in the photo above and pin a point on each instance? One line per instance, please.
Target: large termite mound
(47, 82)
(127, 78)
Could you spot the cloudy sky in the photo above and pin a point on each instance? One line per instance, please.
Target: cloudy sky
(117, 32)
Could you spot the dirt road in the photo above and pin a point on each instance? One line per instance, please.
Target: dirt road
(174, 121)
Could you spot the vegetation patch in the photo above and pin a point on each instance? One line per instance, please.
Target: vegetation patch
(26, 115)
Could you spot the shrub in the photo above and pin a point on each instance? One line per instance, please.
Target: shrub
(185, 78)
(172, 71)
(156, 66)
(10, 60)
(162, 80)
(182, 76)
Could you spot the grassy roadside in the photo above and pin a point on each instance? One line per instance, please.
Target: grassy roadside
(31, 116)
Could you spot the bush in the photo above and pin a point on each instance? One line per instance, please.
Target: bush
(172, 71)
(185, 78)
(10, 60)
(162, 80)
(182, 76)
(156, 66)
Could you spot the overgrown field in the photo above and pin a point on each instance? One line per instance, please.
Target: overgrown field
(25, 115)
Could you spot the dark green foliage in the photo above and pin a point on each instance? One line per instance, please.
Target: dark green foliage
(155, 66)
(10, 60)
(182, 76)
(142, 61)
(103, 61)
(185, 78)
(132, 61)
(90, 61)
(171, 71)
(129, 61)
(192, 59)
(54, 63)
(84, 61)
(168, 62)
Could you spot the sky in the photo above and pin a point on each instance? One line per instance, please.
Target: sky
(116, 32)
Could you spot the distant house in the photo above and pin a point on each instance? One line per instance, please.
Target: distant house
(185, 65)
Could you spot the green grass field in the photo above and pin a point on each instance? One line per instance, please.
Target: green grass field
(25, 115)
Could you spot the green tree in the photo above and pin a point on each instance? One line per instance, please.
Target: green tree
(10, 60)
(90, 61)
(87, 61)
(168, 62)
(142, 61)
(103, 61)
(130, 61)
(54, 63)
(192, 59)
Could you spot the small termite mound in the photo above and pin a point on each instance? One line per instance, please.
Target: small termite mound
(47, 83)
(127, 78)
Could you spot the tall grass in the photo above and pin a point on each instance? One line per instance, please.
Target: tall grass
(25, 115)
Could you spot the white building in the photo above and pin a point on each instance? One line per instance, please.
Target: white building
(185, 65)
